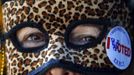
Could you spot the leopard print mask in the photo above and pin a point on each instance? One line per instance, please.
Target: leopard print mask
(42, 34)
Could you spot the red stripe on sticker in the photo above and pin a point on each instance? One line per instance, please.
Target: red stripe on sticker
(108, 43)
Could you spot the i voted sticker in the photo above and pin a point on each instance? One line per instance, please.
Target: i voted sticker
(118, 47)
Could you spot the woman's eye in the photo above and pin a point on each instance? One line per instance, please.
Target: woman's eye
(84, 34)
(31, 37)
(33, 40)
(36, 37)
(82, 40)
(87, 39)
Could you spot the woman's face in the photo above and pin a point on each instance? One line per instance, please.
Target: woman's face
(80, 35)
(63, 37)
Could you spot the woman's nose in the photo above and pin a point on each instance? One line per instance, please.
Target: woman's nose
(60, 71)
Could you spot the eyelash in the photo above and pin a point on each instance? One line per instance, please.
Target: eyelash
(26, 38)
(18, 44)
(82, 39)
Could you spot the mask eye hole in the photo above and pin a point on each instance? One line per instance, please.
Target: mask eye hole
(87, 33)
(31, 37)
(84, 34)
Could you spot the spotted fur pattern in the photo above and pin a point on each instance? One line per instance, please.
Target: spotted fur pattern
(55, 15)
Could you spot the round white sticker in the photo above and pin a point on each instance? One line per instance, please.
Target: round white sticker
(118, 47)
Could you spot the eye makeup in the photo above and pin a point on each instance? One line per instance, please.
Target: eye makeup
(85, 33)
(28, 37)
(31, 37)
